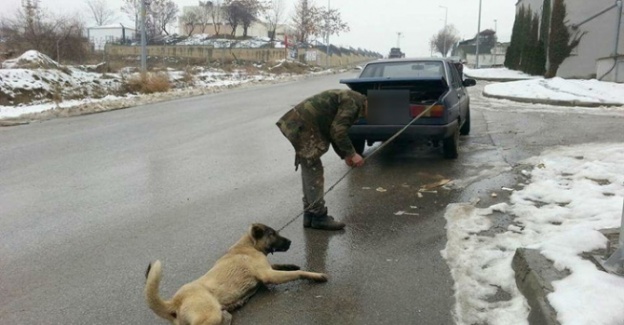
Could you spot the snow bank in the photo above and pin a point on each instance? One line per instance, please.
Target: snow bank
(494, 74)
(560, 91)
(570, 194)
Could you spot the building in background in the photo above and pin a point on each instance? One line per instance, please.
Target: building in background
(491, 52)
(98, 36)
(599, 53)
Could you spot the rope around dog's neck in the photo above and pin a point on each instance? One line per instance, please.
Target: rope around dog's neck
(384, 144)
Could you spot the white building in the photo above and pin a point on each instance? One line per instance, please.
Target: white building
(100, 35)
(597, 54)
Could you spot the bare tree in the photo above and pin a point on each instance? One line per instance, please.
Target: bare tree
(34, 29)
(101, 13)
(251, 9)
(332, 23)
(234, 12)
(217, 15)
(190, 19)
(306, 20)
(203, 15)
(274, 16)
(133, 9)
(442, 42)
(164, 13)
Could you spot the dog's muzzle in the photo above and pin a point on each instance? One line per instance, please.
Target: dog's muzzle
(282, 245)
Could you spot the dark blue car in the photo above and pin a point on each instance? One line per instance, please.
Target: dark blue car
(400, 89)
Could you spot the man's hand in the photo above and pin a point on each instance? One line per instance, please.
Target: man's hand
(354, 161)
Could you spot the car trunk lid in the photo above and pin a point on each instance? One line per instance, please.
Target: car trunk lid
(397, 101)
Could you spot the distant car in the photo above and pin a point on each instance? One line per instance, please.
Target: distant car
(395, 52)
(400, 89)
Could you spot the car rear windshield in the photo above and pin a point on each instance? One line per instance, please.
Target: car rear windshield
(408, 69)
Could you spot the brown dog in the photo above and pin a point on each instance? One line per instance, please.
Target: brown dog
(233, 279)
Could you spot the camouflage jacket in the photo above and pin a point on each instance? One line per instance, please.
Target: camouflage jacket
(321, 120)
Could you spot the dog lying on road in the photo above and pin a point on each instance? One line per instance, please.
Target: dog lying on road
(233, 279)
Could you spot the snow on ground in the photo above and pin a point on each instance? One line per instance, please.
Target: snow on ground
(31, 59)
(571, 193)
(558, 89)
(29, 84)
(497, 74)
(204, 39)
(34, 78)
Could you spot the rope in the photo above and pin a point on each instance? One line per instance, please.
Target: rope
(384, 144)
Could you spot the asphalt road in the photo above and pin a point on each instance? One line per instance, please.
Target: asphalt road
(87, 202)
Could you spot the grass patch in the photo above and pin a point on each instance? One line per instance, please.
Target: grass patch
(147, 83)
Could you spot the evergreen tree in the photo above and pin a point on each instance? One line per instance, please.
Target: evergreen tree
(512, 57)
(559, 44)
(537, 53)
(545, 26)
(542, 49)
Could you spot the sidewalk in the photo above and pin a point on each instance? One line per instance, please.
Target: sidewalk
(517, 86)
(533, 255)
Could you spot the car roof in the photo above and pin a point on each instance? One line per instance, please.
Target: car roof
(423, 59)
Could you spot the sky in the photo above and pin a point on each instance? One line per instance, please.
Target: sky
(374, 24)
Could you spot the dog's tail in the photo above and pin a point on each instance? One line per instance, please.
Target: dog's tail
(162, 308)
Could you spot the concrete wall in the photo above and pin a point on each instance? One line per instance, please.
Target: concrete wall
(485, 60)
(215, 54)
(599, 40)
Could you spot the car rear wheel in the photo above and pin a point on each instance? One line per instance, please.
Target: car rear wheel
(359, 145)
(450, 146)
(465, 129)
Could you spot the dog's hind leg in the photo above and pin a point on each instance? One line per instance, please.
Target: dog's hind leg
(285, 267)
(226, 318)
(237, 304)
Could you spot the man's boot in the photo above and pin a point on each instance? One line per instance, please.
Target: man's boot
(307, 219)
(321, 221)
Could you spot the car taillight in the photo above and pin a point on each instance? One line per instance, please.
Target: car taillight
(435, 111)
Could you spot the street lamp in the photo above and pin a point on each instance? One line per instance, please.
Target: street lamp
(327, 31)
(445, 20)
(478, 34)
(399, 34)
(494, 59)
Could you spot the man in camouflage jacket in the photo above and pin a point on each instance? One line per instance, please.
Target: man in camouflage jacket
(311, 127)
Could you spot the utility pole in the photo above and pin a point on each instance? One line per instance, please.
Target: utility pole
(327, 31)
(478, 34)
(494, 56)
(445, 20)
(143, 39)
(399, 39)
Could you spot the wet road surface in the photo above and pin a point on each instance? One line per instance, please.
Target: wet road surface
(87, 202)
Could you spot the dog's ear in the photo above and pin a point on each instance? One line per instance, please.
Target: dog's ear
(257, 231)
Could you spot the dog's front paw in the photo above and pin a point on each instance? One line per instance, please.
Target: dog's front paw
(320, 277)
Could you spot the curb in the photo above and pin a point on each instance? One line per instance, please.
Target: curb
(534, 275)
(496, 79)
(569, 103)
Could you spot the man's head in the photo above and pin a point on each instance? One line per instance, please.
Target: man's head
(361, 101)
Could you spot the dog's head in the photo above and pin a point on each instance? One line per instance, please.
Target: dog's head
(267, 239)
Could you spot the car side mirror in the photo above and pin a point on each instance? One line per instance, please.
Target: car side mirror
(469, 82)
